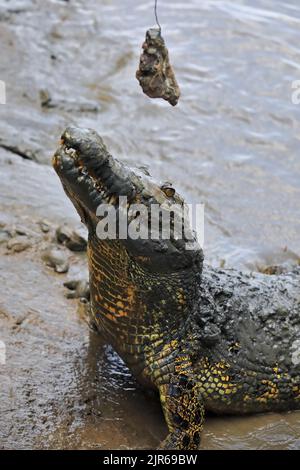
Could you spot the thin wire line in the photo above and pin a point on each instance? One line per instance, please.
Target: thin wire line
(156, 16)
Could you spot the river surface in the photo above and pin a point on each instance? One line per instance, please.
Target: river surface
(232, 142)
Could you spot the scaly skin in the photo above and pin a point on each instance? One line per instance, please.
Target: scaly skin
(206, 339)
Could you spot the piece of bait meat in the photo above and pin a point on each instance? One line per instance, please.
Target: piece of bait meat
(155, 73)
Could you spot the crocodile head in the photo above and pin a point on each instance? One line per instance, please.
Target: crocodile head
(130, 275)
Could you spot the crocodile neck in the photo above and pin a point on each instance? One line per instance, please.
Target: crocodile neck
(136, 310)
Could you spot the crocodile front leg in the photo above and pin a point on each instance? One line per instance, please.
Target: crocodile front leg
(184, 413)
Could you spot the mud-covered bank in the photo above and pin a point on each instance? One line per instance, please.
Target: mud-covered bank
(74, 62)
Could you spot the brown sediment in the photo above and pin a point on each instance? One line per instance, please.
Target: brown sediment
(155, 73)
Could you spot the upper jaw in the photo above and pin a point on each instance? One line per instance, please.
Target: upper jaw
(84, 146)
(85, 166)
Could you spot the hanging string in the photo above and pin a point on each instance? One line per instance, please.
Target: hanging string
(156, 16)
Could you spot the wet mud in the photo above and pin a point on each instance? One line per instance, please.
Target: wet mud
(74, 62)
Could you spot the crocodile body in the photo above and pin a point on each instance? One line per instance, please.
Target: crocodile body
(206, 339)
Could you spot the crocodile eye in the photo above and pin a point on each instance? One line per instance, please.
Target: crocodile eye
(168, 189)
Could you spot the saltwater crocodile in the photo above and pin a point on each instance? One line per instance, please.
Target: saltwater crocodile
(206, 339)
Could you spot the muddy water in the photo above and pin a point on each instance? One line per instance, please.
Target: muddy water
(232, 142)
